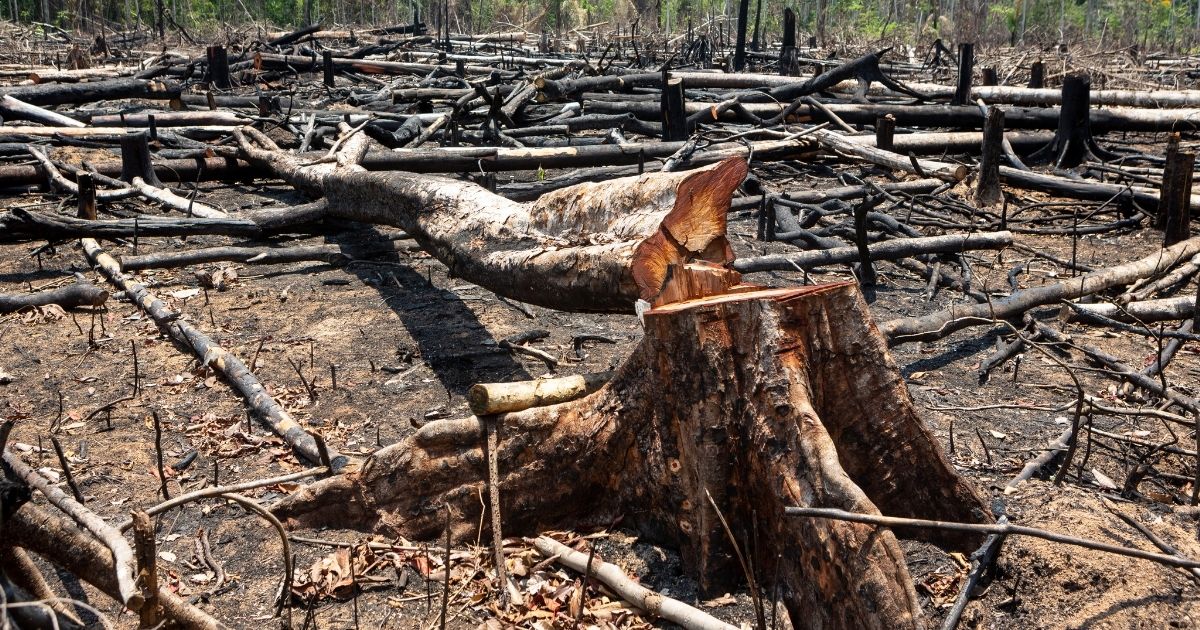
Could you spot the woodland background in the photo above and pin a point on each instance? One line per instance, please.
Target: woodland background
(1157, 24)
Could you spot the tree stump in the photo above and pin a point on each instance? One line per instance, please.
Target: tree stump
(765, 398)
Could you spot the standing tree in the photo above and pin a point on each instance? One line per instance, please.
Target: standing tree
(739, 55)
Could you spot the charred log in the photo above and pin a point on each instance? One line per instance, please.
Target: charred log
(1073, 142)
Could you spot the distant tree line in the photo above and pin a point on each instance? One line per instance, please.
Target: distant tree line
(1170, 24)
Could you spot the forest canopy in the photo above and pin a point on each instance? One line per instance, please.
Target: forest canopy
(1146, 23)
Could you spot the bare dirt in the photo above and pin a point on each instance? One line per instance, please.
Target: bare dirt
(405, 341)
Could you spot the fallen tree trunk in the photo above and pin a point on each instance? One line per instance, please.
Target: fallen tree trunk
(930, 116)
(107, 90)
(264, 255)
(20, 224)
(12, 108)
(843, 144)
(57, 541)
(942, 323)
(590, 247)
(760, 398)
(211, 355)
(71, 296)
(886, 250)
(1174, 308)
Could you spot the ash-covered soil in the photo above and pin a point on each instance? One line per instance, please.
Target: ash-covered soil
(405, 341)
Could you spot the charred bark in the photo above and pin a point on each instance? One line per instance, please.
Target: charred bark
(763, 398)
(1073, 142)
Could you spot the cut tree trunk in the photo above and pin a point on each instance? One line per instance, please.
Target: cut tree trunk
(591, 247)
(762, 398)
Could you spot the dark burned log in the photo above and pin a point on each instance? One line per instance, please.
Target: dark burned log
(944, 116)
(112, 89)
(943, 323)
(1073, 142)
(865, 70)
(22, 225)
(966, 66)
(887, 250)
(987, 187)
(81, 293)
(739, 51)
(332, 254)
(764, 399)
(1174, 208)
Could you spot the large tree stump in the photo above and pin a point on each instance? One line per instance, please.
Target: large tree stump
(765, 398)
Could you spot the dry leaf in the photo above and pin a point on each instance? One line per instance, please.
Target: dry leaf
(724, 600)
(1103, 480)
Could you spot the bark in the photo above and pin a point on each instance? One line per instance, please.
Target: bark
(987, 187)
(591, 247)
(1174, 308)
(739, 51)
(886, 250)
(943, 323)
(14, 109)
(108, 90)
(764, 398)
(1174, 208)
(492, 398)
(966, 65)
(56, 540)
(81, 293)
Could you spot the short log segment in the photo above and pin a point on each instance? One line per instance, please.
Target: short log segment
(492, 398)
(71, 296)
(764, 399)
(1174, 207)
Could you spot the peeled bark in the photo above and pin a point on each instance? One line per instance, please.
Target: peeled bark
(764, 398)
(590, 247)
